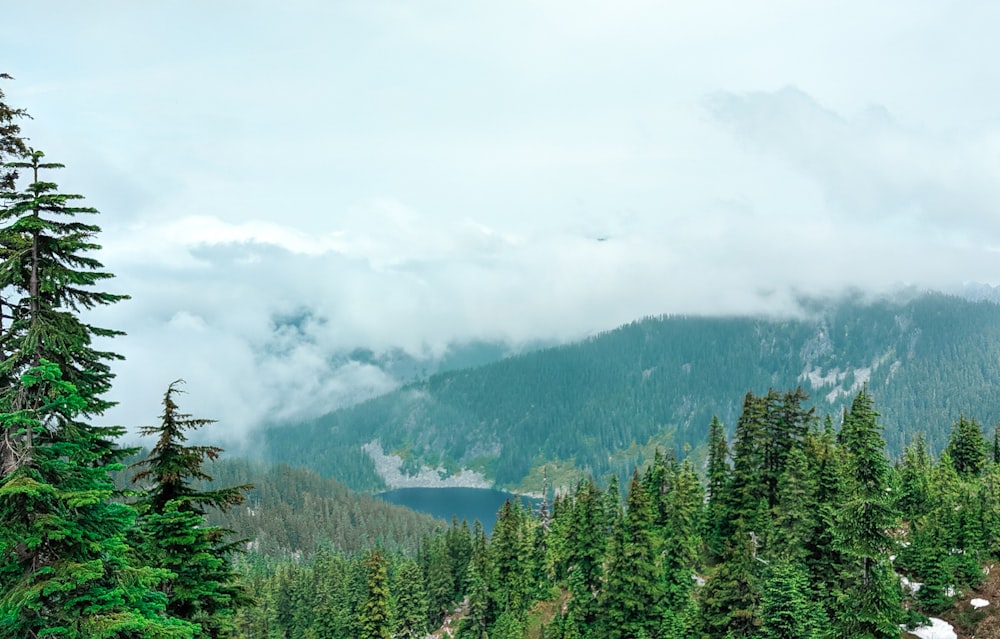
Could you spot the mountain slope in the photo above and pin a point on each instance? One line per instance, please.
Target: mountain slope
(599, 405)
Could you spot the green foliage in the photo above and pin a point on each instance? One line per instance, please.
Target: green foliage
(871, 605)
(729, 601)
(719, 476)
(293, 511)
(11, 143)
(374, 616)
(409, 602)
(788, 609)
(967, 447)
(631, 601)
(47, 277)
(172, 534)
(65, 566)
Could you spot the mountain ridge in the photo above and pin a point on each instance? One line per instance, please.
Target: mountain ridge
(602, 404)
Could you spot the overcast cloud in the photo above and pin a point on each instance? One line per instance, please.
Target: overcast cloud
(402, 174)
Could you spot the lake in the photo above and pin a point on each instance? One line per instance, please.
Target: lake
(465, 503)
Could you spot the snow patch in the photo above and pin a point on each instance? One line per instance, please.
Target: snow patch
(912, 586)
(390, 469)
(938, 629)
(978, 603)
(817, 379)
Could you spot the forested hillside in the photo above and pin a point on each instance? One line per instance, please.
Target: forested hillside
(803, 529)
(295, 511)
(599, 406)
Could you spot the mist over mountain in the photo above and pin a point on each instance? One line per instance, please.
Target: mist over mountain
(603, 404)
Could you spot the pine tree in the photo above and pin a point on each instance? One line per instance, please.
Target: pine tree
(409, 601)
(787, 609)
(786, 423)
(967, 447)
(458, 544)
(438, 577)
(872, 605)
(586, 548)
(825, 558)
(717, 528)
(332, 604)
(795, 512)
(748, 486)
(374, 614)
(914, 477)
(680, 548)
(729, 602)
(996, 444)
(11, 143)
(65, 567)
(172, 529)
(631, 602)
(512, 554)
(47, 278)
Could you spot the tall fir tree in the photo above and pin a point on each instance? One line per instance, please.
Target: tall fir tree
(967, 447)
(871, 607)
(717, 525)
(374, 616)
(47, 277)
(631, 602)
(788, 609)
(66, 566)
(409, 601)
(586, 548)
(172, 530)
(748, 486)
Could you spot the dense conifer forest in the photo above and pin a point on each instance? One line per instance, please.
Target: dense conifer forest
(798, 523)
(800, 527)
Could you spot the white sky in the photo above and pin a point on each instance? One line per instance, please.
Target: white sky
(414, 173)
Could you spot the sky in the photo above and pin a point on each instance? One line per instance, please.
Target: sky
(282, 182)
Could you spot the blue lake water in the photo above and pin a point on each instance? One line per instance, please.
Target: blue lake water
(465, 503)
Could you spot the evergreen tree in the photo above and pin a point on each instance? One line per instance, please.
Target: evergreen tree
(409, 601)
(825, 557)
(914, 476)
(748, 486)
(332, 604)
(785, 423)
(681, 543)
(374, 616)
(996, 444)
(458, 544)
(11, 143)
(482, 612)
(729, 602)
(871, 607)
(65, 567)
(47, 278)
(787, 609)
(513, 554)
(795, 512)
(631, 602)
(172, 528)
(967, 447)
(436, 564)
(586, 548)
(716, 515)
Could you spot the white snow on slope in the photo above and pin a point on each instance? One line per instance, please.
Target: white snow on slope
(939, 629)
